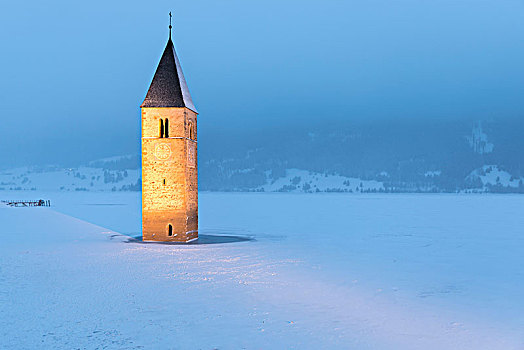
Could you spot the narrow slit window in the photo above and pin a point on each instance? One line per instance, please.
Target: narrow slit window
(161, 128)
(166, 132)
(169, 230)
(164, 181)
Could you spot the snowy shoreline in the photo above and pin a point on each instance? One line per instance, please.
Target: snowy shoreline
(487, 179)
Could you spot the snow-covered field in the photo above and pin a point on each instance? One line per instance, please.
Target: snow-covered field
(98, 179)
(90, 178)
(318, 271)
(297, 180)
(72, 179)
(492, 175)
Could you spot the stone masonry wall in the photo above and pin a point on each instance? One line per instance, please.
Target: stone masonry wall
(169, 176)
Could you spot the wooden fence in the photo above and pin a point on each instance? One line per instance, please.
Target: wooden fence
(27, 203)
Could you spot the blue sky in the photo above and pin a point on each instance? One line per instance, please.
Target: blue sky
(74, 73)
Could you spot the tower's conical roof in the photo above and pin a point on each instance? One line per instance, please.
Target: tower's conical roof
(169, 88)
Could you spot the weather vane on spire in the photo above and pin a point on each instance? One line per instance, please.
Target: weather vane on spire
(170, 24)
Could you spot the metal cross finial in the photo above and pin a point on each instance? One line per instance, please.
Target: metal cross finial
(170, 24)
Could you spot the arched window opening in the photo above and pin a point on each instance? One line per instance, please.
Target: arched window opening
(161, 128)
(167, 128)
(190, 131)
(169, 230)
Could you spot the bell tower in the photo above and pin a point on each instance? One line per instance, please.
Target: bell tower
(169, 155)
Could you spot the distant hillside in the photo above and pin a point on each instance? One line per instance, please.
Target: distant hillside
(54, 178)
(406, 156)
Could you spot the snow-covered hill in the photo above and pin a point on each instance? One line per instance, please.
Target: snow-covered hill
(297, 180)
(403, 157)
(70, 179)
(400, 156)
(489, 178)
(492, 178)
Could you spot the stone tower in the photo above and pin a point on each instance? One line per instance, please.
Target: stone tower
(169, 155)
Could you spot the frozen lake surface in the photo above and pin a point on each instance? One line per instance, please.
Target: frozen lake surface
(304, 271)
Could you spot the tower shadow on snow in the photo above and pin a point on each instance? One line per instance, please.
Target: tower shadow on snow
(202, 239)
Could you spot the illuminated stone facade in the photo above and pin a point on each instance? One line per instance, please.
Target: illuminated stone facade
(169, 156)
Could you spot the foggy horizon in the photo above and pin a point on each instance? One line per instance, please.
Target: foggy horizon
(72, 85)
